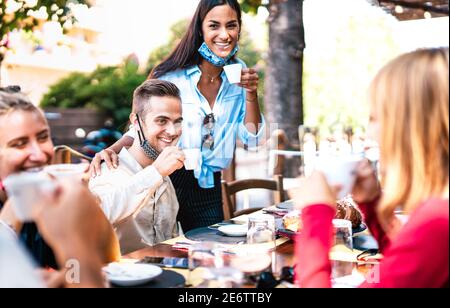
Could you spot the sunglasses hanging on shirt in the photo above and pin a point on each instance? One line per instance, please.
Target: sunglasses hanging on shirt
(208, 128)
(149, 151)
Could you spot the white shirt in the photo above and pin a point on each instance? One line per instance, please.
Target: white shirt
(16, 267)
(140, 204)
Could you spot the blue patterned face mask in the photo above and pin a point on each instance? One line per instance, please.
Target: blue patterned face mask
(212, 58)
(149, 151)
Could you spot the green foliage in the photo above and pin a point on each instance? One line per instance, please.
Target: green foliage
(176, 33)
(253, 58)
(250, 6)
(107, 89)
(336, 78)
(17, 15)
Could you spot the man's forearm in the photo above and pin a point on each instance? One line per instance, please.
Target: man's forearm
(124, 142)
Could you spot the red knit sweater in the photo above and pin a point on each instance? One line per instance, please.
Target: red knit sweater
(417, 257)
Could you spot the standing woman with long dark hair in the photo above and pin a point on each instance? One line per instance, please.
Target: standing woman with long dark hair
(218, 110)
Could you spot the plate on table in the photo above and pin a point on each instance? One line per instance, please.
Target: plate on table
(131, 274)
(213, 235)
(287, 233)
(291, 234)
(288, 205)
(234, 230)
(362, 227)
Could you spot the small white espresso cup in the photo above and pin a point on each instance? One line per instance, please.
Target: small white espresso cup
(339, 170)
(233, 72)
(192, 158)
(24, 190)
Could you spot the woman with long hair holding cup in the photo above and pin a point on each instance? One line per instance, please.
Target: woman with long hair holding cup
(220, 102)
(409, 118)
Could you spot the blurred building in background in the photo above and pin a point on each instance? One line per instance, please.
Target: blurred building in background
(38, 59)
(104, 35)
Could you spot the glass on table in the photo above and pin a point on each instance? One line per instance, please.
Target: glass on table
(201, 257)
(342, 248)
(343, 234)
(210, 267)
(258, 254)
(261, 230)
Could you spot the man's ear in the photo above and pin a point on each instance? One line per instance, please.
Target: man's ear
(133, 120)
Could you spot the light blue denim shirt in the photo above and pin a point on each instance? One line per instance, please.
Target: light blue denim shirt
(229, 112)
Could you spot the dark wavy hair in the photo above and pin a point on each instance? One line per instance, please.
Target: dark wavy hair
(186, 53)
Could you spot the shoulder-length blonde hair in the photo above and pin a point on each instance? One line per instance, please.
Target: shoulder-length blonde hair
(410, 99)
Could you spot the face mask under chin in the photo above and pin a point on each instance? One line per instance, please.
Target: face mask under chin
(214, 59)
(146, 147)
(149, 151)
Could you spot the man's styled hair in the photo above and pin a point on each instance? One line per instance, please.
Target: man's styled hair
(149, 89)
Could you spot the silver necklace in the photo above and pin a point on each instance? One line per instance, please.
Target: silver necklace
(210, 78)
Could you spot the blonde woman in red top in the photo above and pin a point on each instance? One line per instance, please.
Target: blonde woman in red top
(409, 118)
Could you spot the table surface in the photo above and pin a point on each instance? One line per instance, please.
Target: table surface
(284, 252)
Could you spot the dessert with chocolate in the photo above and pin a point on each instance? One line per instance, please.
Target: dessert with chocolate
(348, 210)
(345, 209)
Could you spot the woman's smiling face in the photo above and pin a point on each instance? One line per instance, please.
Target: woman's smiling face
(221, 30)
(25, 142)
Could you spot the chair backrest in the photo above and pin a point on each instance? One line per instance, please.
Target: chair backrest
(65, 155)
(230, 189)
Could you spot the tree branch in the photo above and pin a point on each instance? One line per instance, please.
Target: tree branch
(425, 6)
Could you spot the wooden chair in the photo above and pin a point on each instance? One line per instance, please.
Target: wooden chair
(230, 189)
(65, 155)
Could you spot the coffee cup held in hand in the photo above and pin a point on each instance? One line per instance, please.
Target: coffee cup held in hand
(233, 72)
(24, 190)
(192, 157)
(339, 171)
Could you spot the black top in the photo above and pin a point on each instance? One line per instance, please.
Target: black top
(37, 247)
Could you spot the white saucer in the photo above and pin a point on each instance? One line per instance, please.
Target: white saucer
(234, 230)
(131, 274)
